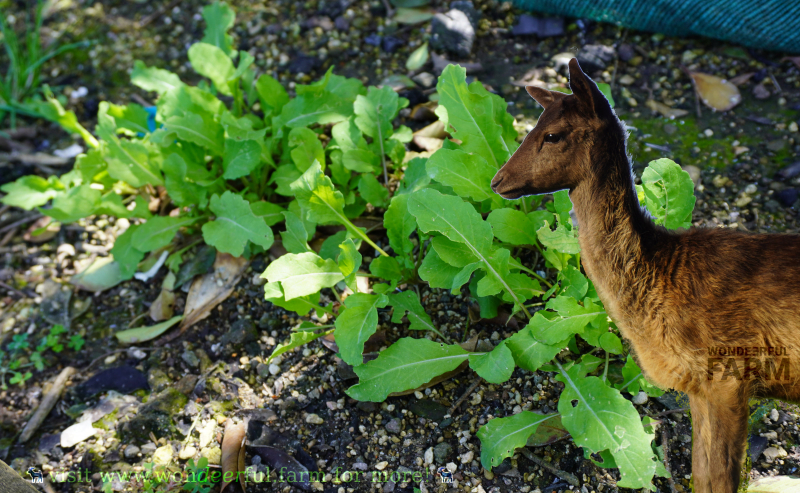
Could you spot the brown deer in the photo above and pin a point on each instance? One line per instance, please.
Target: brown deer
(673, 295)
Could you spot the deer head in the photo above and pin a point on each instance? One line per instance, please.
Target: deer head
(556, 154)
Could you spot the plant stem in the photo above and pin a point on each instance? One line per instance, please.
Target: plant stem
(364, 237)
(605, 371)
(537, 276)
(380, 141)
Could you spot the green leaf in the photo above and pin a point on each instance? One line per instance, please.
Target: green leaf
(235, 225)
(271, 213)
(194, 128)
(468, 174)
(141, 334)
(669, 194)
(512, 226)
(271, 94)
(415, 177)
(301, 304)
(399, 224)
(349, 261)
(200, 264)
(131, 117)
(561, 239)
(182, 191)
(611, 343)
(495, 366)
(241, 158)
(212, 62)
(571, 318)
(356, 324)
(500, 437)
(573, 283)
(306, 148)
(406, 364)
(599, 418)
(418, 58)
(375, 111)
(126, 254)
(606, 90)
(159, 231)
(154, 79)
(296, 340)
(102, 274)
(470, 111)
(52, 110)
(372, 191)
(413, 16)
(77, 203)
(303, 274)
(528, 353)
(361, 160)
(407, 303)
(31, 191)
(219, 19)
(386, 268)
(634, 380)
(295, 238)
(315, 193)
(437, 272)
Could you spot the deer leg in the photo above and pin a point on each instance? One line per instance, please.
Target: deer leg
(719, 433)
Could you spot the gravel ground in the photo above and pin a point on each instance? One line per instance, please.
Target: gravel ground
(744, 162)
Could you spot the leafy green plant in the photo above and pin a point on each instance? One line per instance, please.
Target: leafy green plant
(238, 157)
(20, 356)
(26, 56)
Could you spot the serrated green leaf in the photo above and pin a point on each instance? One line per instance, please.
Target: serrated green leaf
(159, 231)
(418, 57)
(529, 353)
(500, 437)
(574, 284)
(128, 160)
(406, 364)
(495, 366)
(512, 226)
(295, 238)
(271, 94)
(306, 148)
(407, 303)
(126, 254)
(375, 111)
(316, 194)
(194, 128)
(356, 324)
(571, 318)
(296, 339)
(468, 174)
(303, 274)
(76, 203)
(235, 225)
(560, 239)
(219, 19)
(602, 419)
(241, 157)
(271, 213)
(372, 191)
(470, 111)
(386, 268)
(669, 193)
(154, 79)
(437, 272)
(210, 61)
(31, 191)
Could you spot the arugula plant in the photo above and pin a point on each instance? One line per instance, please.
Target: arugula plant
(235, 156)
(21, 355)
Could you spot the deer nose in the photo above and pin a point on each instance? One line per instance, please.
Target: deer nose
(496, 182)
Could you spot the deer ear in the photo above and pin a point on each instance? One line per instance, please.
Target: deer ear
(541, 95)
(586, 91)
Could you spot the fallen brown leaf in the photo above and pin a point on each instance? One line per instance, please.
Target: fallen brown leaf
(430, 144)
(715, 92)
(209, 290)
(665, 110)
(49, 229)
(742, 78)
(162, 307)
(232, 460)
(435, 130)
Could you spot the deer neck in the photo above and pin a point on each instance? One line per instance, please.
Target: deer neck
(614, 233)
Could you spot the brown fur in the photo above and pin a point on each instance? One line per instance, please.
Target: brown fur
(673, 295)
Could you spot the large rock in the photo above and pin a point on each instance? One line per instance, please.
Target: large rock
(452, 32)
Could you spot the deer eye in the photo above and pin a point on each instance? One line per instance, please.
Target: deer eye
(552, 138)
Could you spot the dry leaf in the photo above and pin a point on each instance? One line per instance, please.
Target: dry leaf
(209, 290)
(435, 130)
(232, 460)
(716, 93)
(424, 112)
(742, 78)
(665, 110)
(430, 144)
(44, 229)
(162, 307)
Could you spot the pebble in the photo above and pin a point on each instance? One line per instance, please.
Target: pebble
(190, 358)
(595, 57)
(314, 419)
(274, 369)
(772, 453)
(626, 80)
(452, 32)
(381, 465)
(640, 398)
(213, 454)
(77, 433)
(774, 415)
(393, 426)
(429, 456)
(770, 435)
(425, 79)
(442, 452)
(163, 455)
(467, 457)
(131, 452)
(776, 145)
(187, 453)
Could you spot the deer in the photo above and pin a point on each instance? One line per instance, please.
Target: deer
(674, 295)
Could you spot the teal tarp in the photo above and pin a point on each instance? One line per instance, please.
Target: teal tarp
(762, 24)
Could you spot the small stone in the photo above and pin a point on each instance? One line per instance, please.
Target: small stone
(187, 453)
(686, 438)
(257, 280)
(468, 8)
(776, 145)
(488, 474)
(131, 452)
(792, 127)
(77, 433)
(761, 92)
(381, 465)
(213, 454)
(743, 200)
(467, 457)
(393, 426)
(773, 453)
(774, 415)
(341, 23)
(595, 57)
(626, 80)
(442, 452)
(770, 435)
(694, 173)
(163, 455)
(452, 32)
(670, 129)
(190, 358)
(274, 369)
(360, 466)
(625, 52)
(708, 132)
(390, 44)
(302, 63)
(263, 370)
(429, 456)
(425, 79)
(314, 419)
(640, 398)
(542, 27)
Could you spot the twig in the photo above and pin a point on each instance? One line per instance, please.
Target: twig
(48, 401)
(569, 478)
(8, 237)
(665, 444)
(15, 290)
(141, 100)
(24, 220)
(464, 397)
